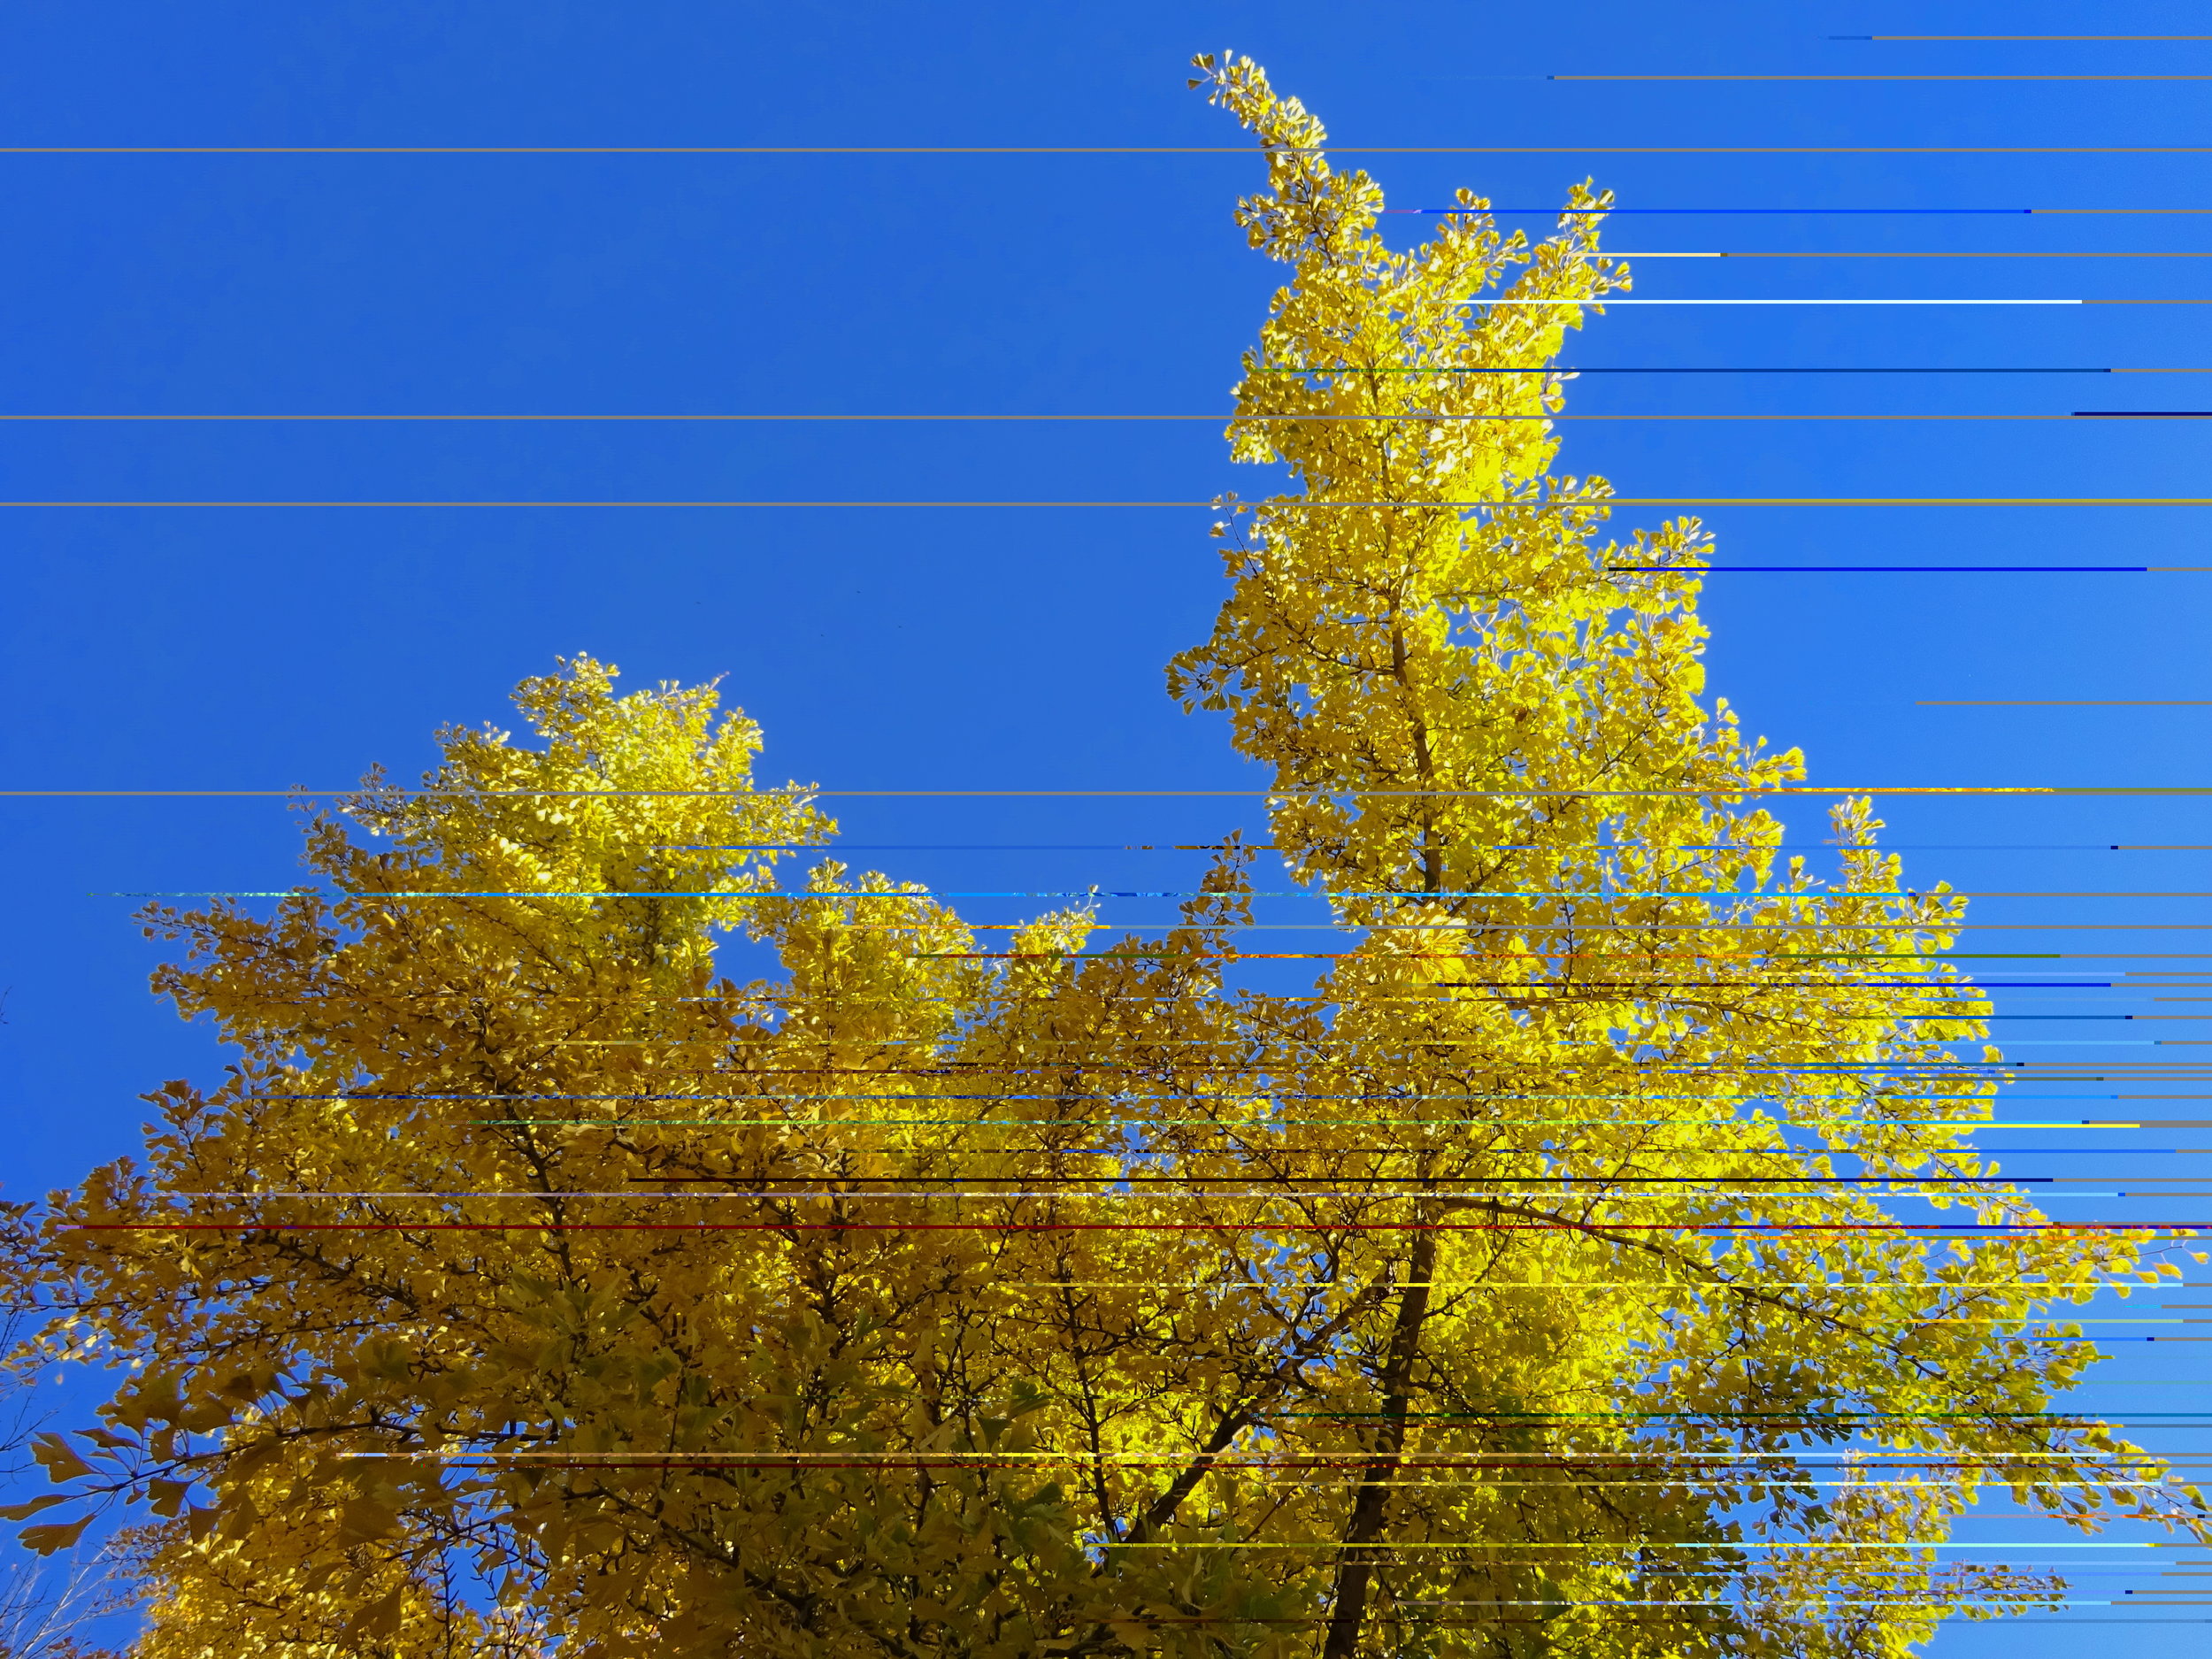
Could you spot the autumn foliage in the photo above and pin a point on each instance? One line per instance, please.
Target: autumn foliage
(1550, 1278)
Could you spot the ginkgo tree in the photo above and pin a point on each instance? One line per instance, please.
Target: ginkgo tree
(1595, 1261)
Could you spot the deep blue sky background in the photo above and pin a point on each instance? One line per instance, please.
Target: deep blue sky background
(181, 648)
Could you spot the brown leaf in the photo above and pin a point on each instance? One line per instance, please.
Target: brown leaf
(61, 1535)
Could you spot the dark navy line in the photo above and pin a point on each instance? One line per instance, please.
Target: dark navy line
(2145, 414)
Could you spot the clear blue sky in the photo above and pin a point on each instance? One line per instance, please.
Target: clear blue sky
(250, 647)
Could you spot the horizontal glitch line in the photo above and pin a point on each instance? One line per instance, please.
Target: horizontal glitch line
(1655, 1466)
(1602, 212)
(1041, 1186)
(1261, 1200)
(1822, 895)
(1571, 369)
(1879, 77)
(1607, 300)
(1240, 794)
(1332, 1545)
(1723, 1414)
(1592, 503)
(2020, 37)
(1870, 1461)
(1103, 150)
(1958, 253)
(1602, 300)
(1892, 568)
(1415, 418)
(1763, 1229)
(1893, 212)
(1693, 846)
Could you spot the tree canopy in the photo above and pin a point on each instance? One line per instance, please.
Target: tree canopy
(1595, 1260)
